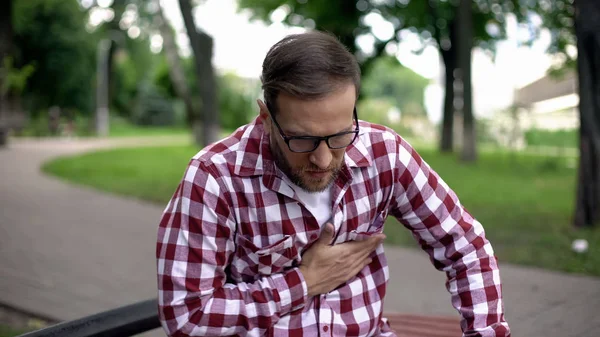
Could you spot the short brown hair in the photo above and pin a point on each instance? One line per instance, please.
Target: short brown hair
(308, 65)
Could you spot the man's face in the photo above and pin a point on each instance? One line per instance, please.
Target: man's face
(313, 171)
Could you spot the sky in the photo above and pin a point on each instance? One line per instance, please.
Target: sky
(241, 45)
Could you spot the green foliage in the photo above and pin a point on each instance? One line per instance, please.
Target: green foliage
(236, 99)
(558, 16)
(132, 63)
(125, 84)
(377, 110)
(120, 127)
(78, 125)
(51, 35)
(340, 17)
(388, 79)
(558, 138)
(82, 127)
(13, 79)
(163, 82)
(483, 134)
(134, 66)
(153, 107)
(432, 20)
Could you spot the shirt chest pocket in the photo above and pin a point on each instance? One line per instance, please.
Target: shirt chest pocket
(267, 260)
(366, 230)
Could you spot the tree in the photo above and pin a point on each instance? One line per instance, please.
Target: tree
(438, 23)
(587, 28)
(341, 18)
(176, 71)
(114, 34)
(434, 21)
(6, 37)
(202, 48)
(51, 36)
(465, 45)
(388, 79)
(112, 94)
(236, 96)
(574, 24)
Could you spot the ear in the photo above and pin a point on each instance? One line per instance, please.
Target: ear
(264, 113)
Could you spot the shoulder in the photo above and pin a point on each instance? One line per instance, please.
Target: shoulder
(379, 138)
(232, 154)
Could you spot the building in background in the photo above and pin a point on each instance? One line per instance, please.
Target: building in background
(549, 103)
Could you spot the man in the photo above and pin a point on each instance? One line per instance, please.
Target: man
(277, 229)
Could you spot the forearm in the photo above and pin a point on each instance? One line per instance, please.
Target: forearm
(454, 240)
(474, 284)
(234, 309)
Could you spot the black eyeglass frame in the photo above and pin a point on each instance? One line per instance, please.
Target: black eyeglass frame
(317, 139)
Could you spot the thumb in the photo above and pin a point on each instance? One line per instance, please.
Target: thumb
(327, 233)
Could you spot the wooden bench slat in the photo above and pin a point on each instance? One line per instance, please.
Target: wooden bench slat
(410, 325)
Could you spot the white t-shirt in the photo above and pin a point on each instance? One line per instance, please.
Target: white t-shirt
(317, 203)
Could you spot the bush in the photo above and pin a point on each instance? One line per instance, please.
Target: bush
(67, 123)
(237, 101)
(153, 108)
(559, 138)
(376, 110)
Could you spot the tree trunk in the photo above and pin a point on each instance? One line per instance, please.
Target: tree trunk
(465, 45)
(202, 47)
(448, 52)
(587, 27)
(447, 125)
(113, 30)
(101, 122)
(176, 72)
(6, 37)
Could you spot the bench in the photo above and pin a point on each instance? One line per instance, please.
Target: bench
(140, 317)
(409, 325)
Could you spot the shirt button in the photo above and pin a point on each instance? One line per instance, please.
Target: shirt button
(313, 237)
(326, 328)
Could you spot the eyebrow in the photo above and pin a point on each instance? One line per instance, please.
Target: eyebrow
(304, 134)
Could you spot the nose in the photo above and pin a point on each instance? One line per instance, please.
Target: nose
(321, 156)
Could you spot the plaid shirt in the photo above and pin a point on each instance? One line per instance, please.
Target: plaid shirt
(232, 237)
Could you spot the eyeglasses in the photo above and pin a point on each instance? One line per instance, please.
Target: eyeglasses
(304, 144)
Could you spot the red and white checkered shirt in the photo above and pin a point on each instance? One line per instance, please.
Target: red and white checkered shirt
(232, 237)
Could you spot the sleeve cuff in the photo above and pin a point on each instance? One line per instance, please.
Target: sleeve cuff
(292, 290)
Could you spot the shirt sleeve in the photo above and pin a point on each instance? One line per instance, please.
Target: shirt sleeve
(454, 241)
(194, 246)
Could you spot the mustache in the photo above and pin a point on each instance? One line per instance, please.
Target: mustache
(317, 169)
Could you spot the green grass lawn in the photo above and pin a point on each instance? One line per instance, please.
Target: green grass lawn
(146, 173)
(6, 331)
(124, 129)
(524, 202)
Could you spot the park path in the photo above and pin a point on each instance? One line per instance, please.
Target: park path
(69, 251)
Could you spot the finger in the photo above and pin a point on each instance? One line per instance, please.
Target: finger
(365, 248)
(368, 246)
(376, 240)
(372, 242)
(327, 234)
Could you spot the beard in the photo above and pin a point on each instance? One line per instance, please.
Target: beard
(299, 175)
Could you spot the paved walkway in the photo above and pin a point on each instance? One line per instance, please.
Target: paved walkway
(68, 251)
